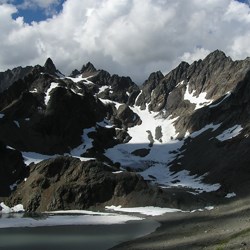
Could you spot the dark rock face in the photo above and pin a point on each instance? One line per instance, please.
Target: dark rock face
(12, 169)
(50, 68)
(127, 116)
(68, 183)
(8, 77)
(224, 162)
(157, 88)
(52, 128)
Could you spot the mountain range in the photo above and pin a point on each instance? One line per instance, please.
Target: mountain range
(92, 139)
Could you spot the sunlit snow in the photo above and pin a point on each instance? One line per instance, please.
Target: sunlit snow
(200, 100)
(103, 88)
(79, 78)
(34, 90)
(159, 152)
(152, 211)
(6, 210)
(164, 177)
(154, 166)
(47, 94)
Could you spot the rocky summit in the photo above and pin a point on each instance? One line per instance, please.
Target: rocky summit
(93, 139)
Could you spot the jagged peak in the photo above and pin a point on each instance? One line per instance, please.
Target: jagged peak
(216, 55)
(89, 67)
(49, 64)
(178, 71)
(50, 67)
(156, 75)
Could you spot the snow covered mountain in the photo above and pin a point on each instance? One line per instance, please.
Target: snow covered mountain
(179, 137)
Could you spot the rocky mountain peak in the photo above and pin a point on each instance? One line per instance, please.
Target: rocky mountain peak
(50, 67)
(216, 55)
(155, 76)
(89, 67)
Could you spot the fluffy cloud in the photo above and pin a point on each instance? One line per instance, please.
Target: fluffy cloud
(128, 37)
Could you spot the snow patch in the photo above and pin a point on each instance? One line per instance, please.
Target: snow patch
(1, 116)
(230, 195)
(180, 83)
(6, 210)
(103, 88)
(230, 133)
(162, 175)
(208, 208)
(200, 100)
(53, 85)
(87, 144)
(152, 211)
(34, 91)
(117, 172)
(209, 126)
(17, 124)
(13, 186)
(106, 101)
(30, 157)
(217, 104)
(105, 124)
(79, 78)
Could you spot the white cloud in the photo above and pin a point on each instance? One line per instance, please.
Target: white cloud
(129, 37)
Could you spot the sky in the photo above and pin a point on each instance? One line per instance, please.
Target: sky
(126, 37)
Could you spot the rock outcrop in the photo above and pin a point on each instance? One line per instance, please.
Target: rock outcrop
(12, 169)
(67, 183)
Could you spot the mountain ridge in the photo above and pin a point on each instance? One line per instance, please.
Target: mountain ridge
(171, 130)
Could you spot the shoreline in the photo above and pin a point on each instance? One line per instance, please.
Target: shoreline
(227, 226)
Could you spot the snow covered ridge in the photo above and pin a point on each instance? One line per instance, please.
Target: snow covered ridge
(6, 210)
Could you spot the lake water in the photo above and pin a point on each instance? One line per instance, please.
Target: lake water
(67, 237)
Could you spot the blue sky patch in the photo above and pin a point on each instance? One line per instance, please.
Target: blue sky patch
(36, 13)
